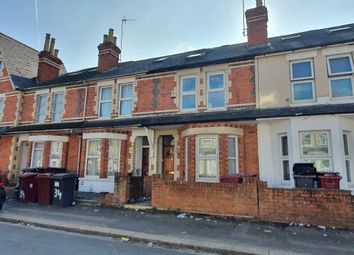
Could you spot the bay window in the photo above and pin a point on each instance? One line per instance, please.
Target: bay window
(284, 155)
(105, 103)
(316, 149)
(113, 157)
(37, 155)
(56, 149)
(216, 91)
(233, 155)
(348, 164)
(93, 158)
(302, 84)
(126, 99)
(207, 158)
(188, 93)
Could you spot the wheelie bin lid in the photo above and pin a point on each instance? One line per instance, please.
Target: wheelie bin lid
(63, 176)
(28, 174)
(44, 176)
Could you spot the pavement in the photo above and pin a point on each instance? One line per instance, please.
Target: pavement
(197, 232)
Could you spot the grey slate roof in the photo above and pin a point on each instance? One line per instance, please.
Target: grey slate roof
(218, 55)
(20, 60)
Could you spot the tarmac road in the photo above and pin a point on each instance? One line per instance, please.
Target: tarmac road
(18, 239)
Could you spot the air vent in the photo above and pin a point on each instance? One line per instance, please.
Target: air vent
(290, 37)
(333, 30)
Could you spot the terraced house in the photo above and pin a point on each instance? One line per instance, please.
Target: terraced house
(184, 121)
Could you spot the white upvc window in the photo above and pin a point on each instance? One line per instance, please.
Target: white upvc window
(216, 91)
(188, 90)
(113, 157)
(302, 84)
(1, 108)
(207, 152)
(37, 155)
(316, 149)
(340, 65)
(284, 158)
(41, 108)
(93, 158)
(58, 106)
(105, 102)
(340, 70)
(233, 154)
(126, 99)
(56, 149)
(348, 164)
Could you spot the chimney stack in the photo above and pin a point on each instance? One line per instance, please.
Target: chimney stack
(49, 64)
(108, 52)
(257, 19)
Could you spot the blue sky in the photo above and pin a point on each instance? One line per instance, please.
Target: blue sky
(162, 27)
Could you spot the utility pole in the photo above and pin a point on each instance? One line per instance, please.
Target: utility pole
(124, 21)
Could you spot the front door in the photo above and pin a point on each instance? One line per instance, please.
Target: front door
(168, 157)
(145, 172)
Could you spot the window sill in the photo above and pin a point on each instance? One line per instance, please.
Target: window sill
(208, 180)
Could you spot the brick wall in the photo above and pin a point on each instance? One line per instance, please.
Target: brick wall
(213, 198)
(5, 149)
(332, 208)
(242, 85)
(27, 108)
(5, 85)
(75, 100)
(10, 109)
(155, 94)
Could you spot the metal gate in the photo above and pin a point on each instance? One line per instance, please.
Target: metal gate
(136, 186)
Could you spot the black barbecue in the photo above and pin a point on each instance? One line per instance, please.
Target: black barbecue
(305, 175)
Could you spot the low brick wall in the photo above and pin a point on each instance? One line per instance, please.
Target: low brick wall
(212, 198)
(319, 207)
(120, 195)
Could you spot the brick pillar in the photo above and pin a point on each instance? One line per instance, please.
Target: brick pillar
(46, 154)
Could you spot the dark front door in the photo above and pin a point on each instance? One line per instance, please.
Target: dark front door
(168, 157)
(145, 170)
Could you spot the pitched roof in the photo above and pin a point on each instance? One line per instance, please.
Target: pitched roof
(204, 57)
(21, 61)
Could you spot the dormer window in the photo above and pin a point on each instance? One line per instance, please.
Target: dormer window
(302, 84)
(340, 70)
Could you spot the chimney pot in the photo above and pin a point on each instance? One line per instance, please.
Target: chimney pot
(48, 62)
(52, 46)
(259, 3)
(115, 40)
(46, 42)
(105, 38)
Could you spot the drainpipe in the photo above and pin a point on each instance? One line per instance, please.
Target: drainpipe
(85, 103)
(79, 156)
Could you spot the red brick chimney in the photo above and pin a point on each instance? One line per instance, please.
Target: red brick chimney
(108, 52)
(257, 19)
(49, 64)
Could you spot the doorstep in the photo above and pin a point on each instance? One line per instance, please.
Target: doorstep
(138, 207)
